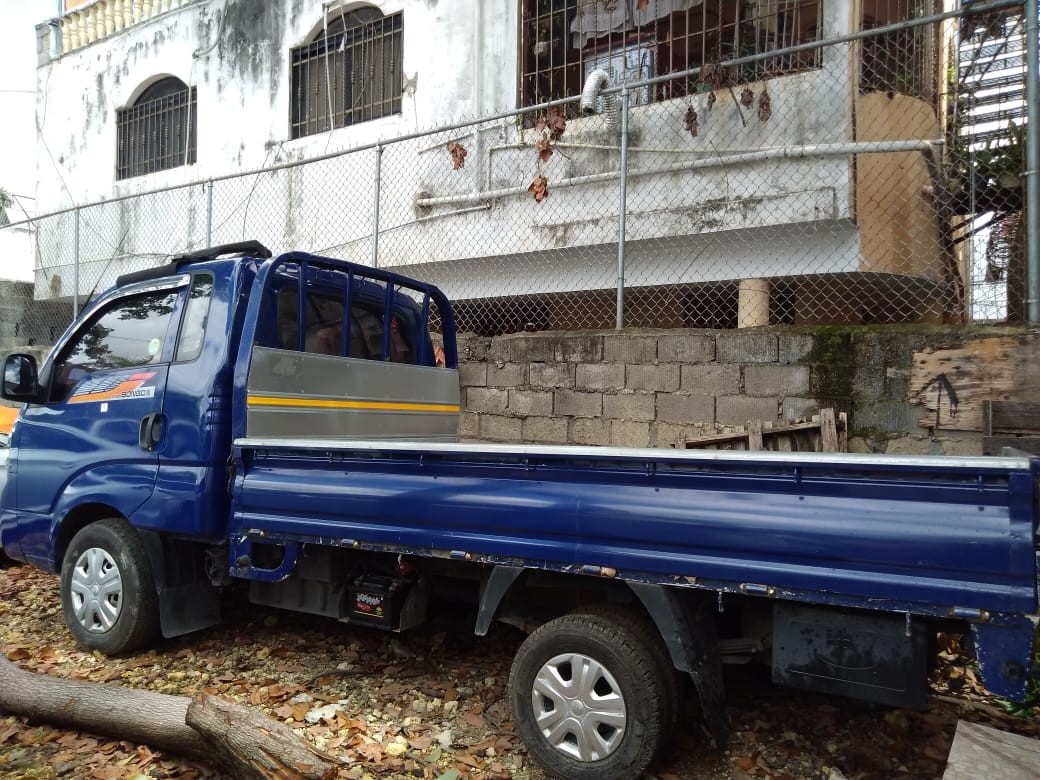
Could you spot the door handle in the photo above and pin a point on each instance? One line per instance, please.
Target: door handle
(151, 432)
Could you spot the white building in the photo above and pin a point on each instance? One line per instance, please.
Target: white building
(769, 194)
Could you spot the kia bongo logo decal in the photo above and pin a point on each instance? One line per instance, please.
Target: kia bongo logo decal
(107, 388)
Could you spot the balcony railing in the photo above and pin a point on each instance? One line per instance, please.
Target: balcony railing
(102, 18)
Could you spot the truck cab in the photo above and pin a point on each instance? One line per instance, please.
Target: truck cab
(133, 414)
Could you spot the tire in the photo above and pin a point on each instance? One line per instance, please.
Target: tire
(672, 682)
(608, 721)
(107, 589)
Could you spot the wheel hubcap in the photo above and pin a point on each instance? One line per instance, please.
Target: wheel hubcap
(579, 707)
(96, 590)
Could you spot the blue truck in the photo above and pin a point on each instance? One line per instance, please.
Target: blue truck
(289, 424)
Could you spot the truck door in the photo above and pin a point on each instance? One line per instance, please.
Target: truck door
(96, 437)
(191, 495)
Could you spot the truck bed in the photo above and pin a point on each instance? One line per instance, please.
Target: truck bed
(925, 535)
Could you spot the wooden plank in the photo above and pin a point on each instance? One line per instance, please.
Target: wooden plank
(780, 437)
(981, 751)
(828, 431)
(951, 383)
(755, 441)
(1017, 416)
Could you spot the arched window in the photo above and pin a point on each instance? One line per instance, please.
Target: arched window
(158, 131)
(349, 73)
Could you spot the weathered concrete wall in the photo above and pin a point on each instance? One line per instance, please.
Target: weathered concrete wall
(25, 322)
(648, 388)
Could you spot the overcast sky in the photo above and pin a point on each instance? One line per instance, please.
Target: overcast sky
(18, 19)
(17, 92)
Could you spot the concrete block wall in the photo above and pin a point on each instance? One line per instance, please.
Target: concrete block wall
(649, 388)
(25, 322)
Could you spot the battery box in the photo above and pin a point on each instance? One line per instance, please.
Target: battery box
(376, 601)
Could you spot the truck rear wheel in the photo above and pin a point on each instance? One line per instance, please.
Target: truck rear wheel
(107, 589)
(586, 692)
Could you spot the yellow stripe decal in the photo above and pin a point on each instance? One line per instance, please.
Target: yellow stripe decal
(321, 403)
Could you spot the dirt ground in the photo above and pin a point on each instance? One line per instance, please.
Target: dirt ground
(432, 703)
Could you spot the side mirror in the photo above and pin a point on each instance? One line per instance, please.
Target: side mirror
(21, 379)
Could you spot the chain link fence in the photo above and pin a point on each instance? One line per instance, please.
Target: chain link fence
(874, 178)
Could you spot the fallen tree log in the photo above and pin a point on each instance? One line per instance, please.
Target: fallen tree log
(239, 740)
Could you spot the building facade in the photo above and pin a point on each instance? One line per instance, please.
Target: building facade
(762, 185)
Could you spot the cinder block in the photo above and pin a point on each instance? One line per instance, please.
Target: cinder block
(580, 348)
(472, 348)
(795, 347)
(747, 348)
(599, 376)
(550, 430)
(685, 409)
(469, 425)
(496, 428)
(630, 406)
(522, 349)
(551, 375)
(487, 400)
(473, 374)
(507, 374)
(590, 430)
(525, 403)
(776, 380)
(663, 378)
(739, 409)
(569, 403)
(868, 383)
(887, 417)
(795, 407)
(629, 349)
(713, 378)
(686, 348)
(627, 433)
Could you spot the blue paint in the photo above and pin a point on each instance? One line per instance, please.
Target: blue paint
(936, 537)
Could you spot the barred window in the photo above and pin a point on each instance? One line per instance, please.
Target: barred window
(158, 131)
(903, 61)
(563, 41)
(349, 73)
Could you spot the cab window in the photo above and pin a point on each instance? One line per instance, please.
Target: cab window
(128, 333)
(323, 325)
(196, 312)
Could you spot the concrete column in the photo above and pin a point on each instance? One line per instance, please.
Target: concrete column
(753, 303)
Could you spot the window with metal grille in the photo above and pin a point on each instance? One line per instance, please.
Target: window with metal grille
(158, 131)
(349, 73)
(563, 41)
(904, 61)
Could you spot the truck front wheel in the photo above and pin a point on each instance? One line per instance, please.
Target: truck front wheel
(107, 589)
(586, 692)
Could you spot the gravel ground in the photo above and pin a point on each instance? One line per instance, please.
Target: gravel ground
(432, 703)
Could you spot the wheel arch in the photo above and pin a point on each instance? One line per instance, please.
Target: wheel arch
(75, 521)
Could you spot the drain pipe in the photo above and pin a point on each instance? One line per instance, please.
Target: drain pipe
(619, 316)
(1032, 172)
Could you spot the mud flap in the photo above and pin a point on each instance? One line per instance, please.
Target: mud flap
(687, 624)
